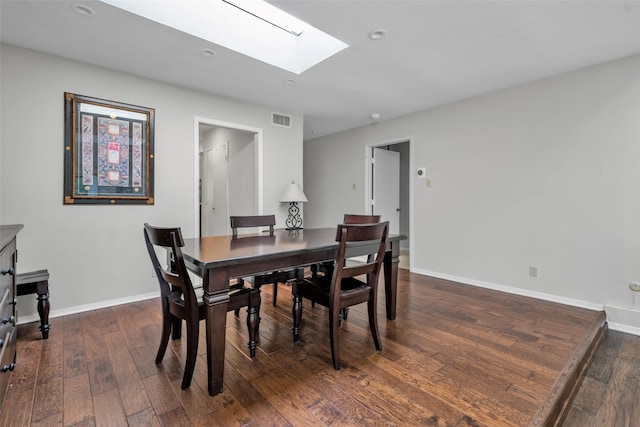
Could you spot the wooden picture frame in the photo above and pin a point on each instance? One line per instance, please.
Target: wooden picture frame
(108, 151)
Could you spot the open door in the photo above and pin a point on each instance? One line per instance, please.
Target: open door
(215, 208)
(229, 176)
(386, 187)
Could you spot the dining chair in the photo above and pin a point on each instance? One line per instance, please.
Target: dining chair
(273, 277)
(182, 301)
(345, 288)
(326, 268)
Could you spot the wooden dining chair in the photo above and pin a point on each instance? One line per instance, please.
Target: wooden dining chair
(273, 277)
(181, 301)
(344, 288)
(326, 268)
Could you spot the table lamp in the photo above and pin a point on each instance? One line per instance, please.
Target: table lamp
(293, 195)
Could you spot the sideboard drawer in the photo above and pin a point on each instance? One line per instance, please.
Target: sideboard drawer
(8, 329)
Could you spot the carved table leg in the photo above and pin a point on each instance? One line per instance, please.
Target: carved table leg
(297, 317)
(253, 321)
(43, 307)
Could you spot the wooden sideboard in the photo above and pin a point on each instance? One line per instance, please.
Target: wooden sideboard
(8, 330)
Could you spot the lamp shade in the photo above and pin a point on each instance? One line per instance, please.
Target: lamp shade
(293, 193)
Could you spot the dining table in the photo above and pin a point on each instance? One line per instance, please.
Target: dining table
(218, 259)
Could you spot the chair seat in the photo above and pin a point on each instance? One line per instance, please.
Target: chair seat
(317, 289)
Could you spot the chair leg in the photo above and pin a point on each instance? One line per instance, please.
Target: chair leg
(333, 334)
(373, 323)
(240, 281)
(297, 316)
(176, 327)
(253, 321)
(164, 337)
(275, 294)
(192, 351)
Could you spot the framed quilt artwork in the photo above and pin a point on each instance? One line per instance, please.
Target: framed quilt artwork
(108, 152)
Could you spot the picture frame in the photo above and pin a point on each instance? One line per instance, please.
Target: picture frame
(108, 152)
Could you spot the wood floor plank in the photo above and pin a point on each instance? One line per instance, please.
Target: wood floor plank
(161, 394)
(456, 355)
(108, 409)
(48, 399)
(146, 418)
(78, 403)
(621, 397)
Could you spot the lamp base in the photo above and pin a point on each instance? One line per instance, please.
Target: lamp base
(294, 220)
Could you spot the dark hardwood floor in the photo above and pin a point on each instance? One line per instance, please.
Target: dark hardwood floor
(610, 392)
(456, 355)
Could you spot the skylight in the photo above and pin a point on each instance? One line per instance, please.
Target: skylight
(251, 27)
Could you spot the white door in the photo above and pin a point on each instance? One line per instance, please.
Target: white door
(215, 210)
(386, 187)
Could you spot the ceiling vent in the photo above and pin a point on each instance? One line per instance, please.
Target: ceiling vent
(281, 120)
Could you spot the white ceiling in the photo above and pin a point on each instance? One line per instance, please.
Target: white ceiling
(434, 52)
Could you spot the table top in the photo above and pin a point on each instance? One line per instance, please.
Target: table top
(227, 250)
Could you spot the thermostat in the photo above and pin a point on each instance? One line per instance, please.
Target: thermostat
(422, 172)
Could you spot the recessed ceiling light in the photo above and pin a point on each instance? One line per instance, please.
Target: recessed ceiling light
(377, 34)
(83, 9)
(374, 116)
(208, 52)
(290, 81)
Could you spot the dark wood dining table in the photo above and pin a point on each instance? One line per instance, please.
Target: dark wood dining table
(217, 259)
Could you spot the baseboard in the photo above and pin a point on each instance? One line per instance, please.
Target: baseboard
(87, 307)
(623, 319)
(512, 290)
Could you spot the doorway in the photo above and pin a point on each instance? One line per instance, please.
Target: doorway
(389, 188)
(228, 174)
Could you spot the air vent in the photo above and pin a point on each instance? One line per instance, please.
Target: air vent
(281, 120)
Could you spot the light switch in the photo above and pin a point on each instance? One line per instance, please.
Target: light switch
(428, 182)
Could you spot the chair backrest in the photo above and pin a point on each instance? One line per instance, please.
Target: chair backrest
(360, 219)
(172, 275)
(252, 221)
(376, 236)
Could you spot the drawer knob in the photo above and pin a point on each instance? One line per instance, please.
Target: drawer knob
(8, 271)
(10, 367)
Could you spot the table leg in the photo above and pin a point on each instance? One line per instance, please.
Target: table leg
(391, 262)
(216, 297)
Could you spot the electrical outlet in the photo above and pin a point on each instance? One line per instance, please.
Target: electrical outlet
(635, 286)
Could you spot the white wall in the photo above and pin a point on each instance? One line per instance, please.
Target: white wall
(95, 254)
(544, 174)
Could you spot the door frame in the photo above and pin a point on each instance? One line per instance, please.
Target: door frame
(368, 178)
(197, 121)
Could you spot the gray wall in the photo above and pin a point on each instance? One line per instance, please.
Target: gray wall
(95, 254)
(544, 174)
